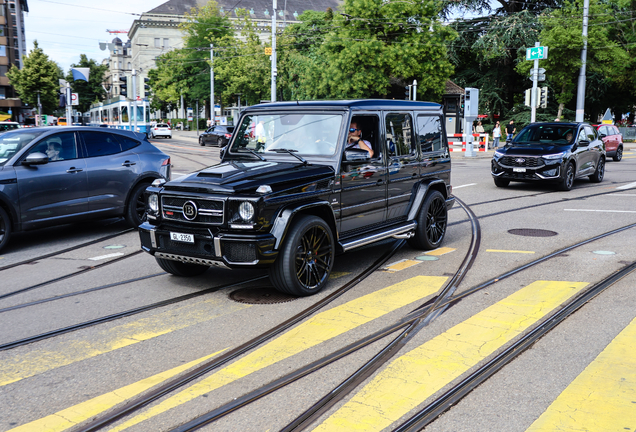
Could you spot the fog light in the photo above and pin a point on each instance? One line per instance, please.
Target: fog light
(153, 203)
(550, 173)
(246, 211)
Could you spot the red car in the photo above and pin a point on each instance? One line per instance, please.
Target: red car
(612, 139)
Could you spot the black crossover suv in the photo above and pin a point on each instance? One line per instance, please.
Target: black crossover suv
(550, 152)
(300, 182)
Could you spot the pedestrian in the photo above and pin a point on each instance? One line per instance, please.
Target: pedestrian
(510, 130)
(479, 128)
(496, 134)
(208, 122)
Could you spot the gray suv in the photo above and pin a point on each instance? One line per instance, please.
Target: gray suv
(51, 176)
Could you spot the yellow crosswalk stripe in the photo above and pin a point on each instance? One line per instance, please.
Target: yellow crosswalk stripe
(602, 397)
(324, 326)
(412, 378)
(440, 251)
(79, 413)
(37, 361)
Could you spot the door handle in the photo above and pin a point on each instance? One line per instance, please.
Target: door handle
(128, 163)
(73, 170)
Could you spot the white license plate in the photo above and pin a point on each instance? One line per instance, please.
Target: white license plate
(519, 170)
(185, 238)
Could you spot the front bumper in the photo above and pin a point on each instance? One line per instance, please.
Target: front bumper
(531, 169)
(221, 249)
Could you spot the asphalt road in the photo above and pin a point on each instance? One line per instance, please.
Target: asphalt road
(580, 375)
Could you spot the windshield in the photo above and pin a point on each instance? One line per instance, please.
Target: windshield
(546, 134)
(304, 134)
(13, 142)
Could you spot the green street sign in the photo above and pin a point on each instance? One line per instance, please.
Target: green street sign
(537, 53)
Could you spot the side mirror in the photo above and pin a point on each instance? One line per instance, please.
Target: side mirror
(356, 155)
(602, 135)
(584, 143)
(37, 158)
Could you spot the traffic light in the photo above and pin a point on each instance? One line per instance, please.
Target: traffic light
(408, 93)
(543, 97)
(146, 87)
(123, 86)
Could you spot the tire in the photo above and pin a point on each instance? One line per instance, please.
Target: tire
(306, 258)
(568, 178)
(219, 142)
(619, 154)
(136, 206)
(201, 143)
(598, 175)
(432, 220)
(178, 268)
(501, 182)
(5, 228)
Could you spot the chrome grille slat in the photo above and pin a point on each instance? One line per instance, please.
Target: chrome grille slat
(210, 211)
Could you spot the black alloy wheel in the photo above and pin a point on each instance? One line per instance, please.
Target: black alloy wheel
(432, 220)
(619, 154)
(598, 175)
(201, 143)
(219, 142)
(568, 178)
(305, 261)
(5, 228)
(136, 208)
(179, 268)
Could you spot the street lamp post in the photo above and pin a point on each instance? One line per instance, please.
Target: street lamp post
(212, 113)
(274, 71)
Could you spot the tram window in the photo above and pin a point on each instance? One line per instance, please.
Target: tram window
(127, 143)
(147, 115)
(116, 114)
(100, 144)
(124, 114)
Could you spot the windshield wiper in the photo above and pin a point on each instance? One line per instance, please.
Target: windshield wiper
(291, 152)
(254, 153)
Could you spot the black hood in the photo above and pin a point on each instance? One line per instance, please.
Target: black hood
(245, 177)
(534, 149)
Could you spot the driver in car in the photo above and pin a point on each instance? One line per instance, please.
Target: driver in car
(355, 140)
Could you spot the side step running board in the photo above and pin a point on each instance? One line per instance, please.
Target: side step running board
(402, 231)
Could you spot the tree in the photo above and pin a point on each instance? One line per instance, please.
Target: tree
(91, 91)
(38, 75)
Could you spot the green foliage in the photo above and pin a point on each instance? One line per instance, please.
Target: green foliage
(91, 91)
(39, 74)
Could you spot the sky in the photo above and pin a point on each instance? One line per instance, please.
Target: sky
(65, 29)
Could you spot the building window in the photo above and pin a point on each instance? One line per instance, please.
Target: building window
(129, 65)
(2, 32)
(3, 94)
(120, 65)
(3, 51)
(4, 70)
(157, 43)
(166, 42)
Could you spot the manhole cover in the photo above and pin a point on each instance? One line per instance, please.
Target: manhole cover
(260, 296)
(529, 232)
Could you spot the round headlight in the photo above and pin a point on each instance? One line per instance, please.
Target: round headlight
(153, 202)
(246, 211)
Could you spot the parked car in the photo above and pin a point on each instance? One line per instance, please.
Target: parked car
(291, 193)
(550, 152)
(8, 125)
(160, 130)
(613, 140)
(51, 177)
(216, 135)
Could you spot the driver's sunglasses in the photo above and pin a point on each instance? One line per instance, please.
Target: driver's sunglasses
(352, 130)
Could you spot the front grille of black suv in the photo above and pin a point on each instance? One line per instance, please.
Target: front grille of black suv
(209, 211)
(520, 161)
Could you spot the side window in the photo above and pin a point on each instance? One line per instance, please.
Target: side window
(589, 132)
(100, 143)
(127, 143)
(124, 114)
(368, 129)
(429, 133)
(399, 135)
(58, 147)
(616, 130)
(581, 135)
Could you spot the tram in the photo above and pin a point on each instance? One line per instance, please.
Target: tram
(119, 114)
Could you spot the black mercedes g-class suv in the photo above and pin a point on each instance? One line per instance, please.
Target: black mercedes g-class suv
(300, 182)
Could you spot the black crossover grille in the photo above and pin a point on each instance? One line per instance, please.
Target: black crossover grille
(207, 210)
(520, 161)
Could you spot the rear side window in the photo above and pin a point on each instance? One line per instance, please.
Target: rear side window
(399, 135)
(429, 133)
(590, 132)
(127, 143)
(100, 143)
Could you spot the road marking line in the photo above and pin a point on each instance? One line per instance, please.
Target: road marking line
(336, 275)
(322, 327)
(415, 376)
(38, 360)
(81, 412)
(466, 185)
(621, 194)
(601, 211)
(509, 251)
(440, 251)
(103, 257)
(602, 397)
(401, 265)
(627, 186)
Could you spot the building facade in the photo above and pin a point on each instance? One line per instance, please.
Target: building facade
(12, 50)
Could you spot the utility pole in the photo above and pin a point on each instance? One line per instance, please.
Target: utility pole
(414, 90)
(274, 71)
(213, 114)
(39, 111)
(580, 92)
(533, 95)
(134, 96)
(69, 112)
